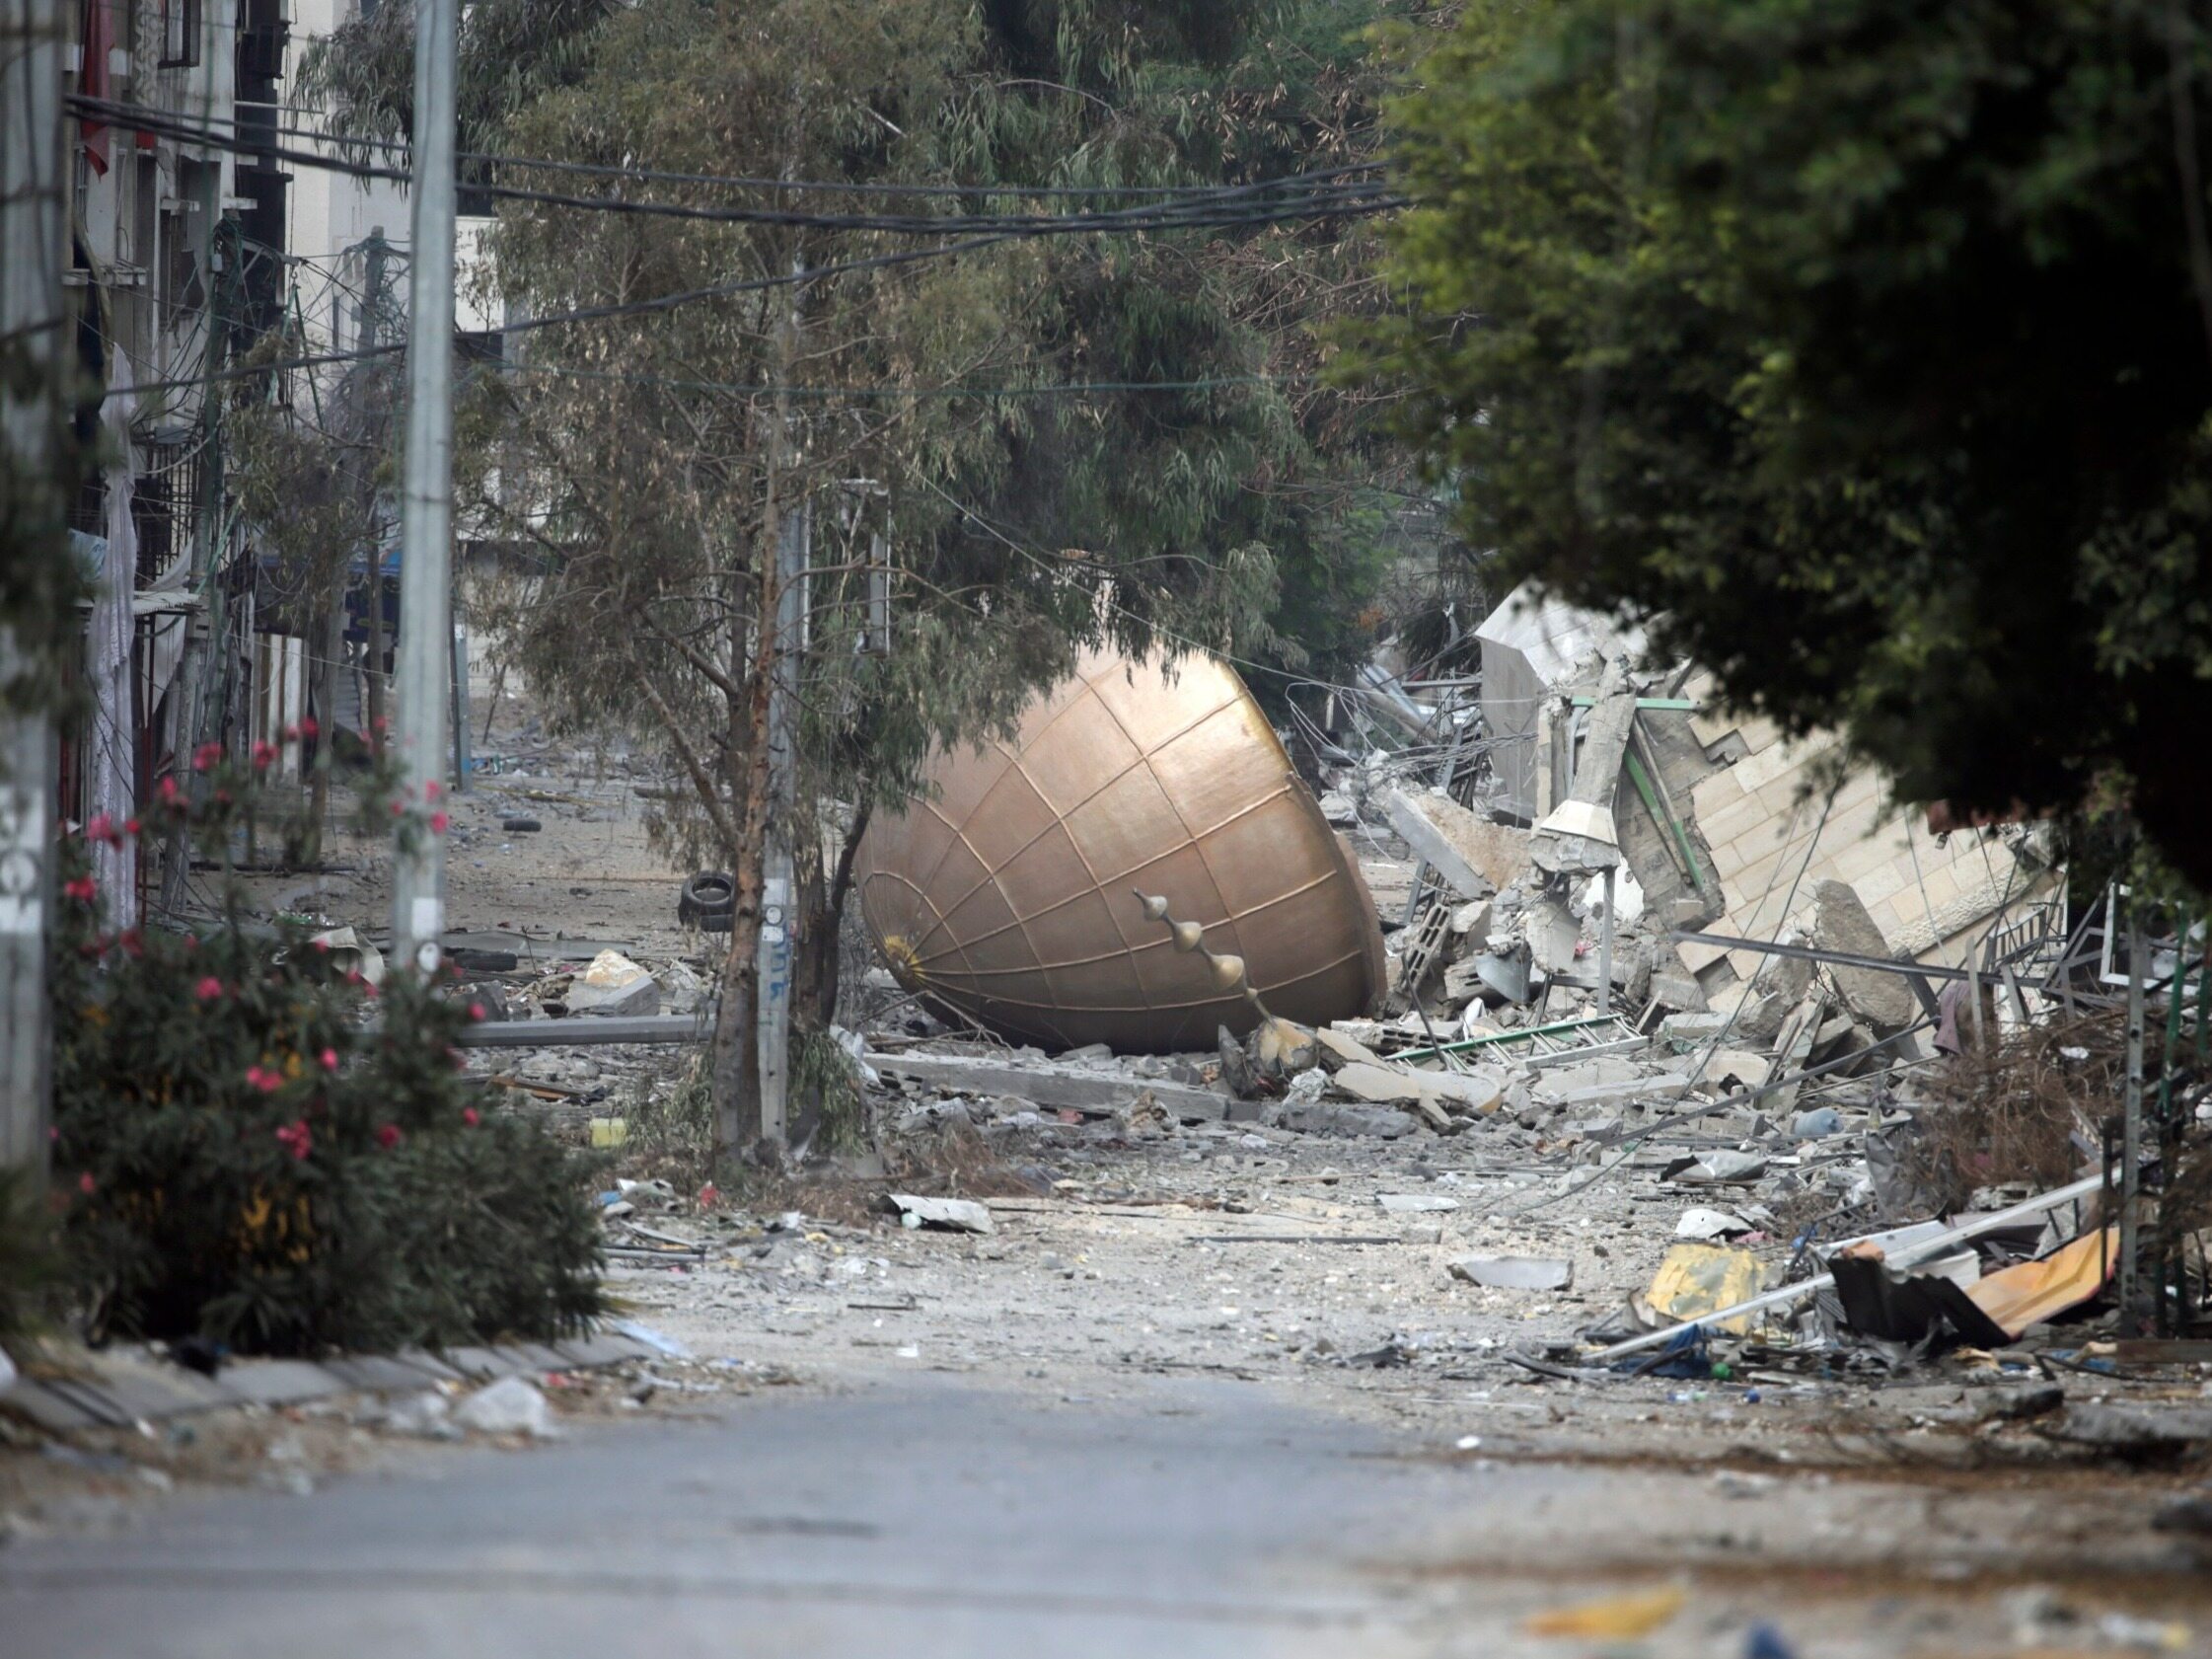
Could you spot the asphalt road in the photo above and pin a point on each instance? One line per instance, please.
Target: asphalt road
(924, 1518)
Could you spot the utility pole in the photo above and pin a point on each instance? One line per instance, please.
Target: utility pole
(774, 953)
(426, 504)
(34, 244)
(372, 431)
(208, 670)
(2131, 1120)
(461, 710)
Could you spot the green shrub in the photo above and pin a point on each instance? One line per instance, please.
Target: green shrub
(245, 1159)
(30, 1267)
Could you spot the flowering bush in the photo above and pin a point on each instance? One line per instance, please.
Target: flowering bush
(245, 1157)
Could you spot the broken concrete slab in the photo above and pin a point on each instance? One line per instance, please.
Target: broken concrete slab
(1588, 1073)
(1472, 919)
(1720, 1166)
(1684, 1031)
(947, 1215)
(1328, 1117)
(1042, 1083)
(1842, 922)
(1474, 856)
(1665, 1086)
(1472, 1090)
(276, 1382)
(1580, 835)
(1759, 1013)
(1339, 1048)
(1465, 980)
(1553, 933)
(1379, 1085)
(614, 986)
(1739, 1066)
(1415, 1203)
(1793, 1045)
(2137, 1430)
(1673, 984)
(1514, 1272)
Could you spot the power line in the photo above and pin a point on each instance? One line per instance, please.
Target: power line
(807, 186)
(1078, 388)
(1051, 569)
(596, 313)
(1265, 202)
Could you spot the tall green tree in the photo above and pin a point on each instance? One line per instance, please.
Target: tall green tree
(1863, 346)
(1071, 440)
(654, 458)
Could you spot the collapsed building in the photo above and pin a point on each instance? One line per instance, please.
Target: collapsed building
(1725, 837)
(1008, 893)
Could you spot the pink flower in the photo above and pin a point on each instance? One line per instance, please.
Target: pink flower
(101, 828)
(322, 946)
(167, 790)
(207, 757)
(308, 727)
(388, 1135)
(265, 755)
(708, 1196)
(130, 826)
(266, 1079)
(298, 1137)
(432, 789)
(476, 1010)
(84, 1182)
(470, 1117)
(438, 822)
(131, 943)
(330, 1059)
(208, 989)
(82, 890)
(397, 807)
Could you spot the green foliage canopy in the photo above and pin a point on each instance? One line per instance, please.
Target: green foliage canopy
(1862, 344)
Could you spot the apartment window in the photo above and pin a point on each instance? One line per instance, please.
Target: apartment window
(180, 34)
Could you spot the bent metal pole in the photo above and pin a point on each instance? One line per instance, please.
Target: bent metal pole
(426, 504)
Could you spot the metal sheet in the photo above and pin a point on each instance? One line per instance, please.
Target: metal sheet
(1010, 892)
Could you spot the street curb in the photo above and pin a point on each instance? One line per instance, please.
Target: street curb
(126, 1387)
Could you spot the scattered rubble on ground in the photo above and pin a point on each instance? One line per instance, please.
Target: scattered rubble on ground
(1653, 1175)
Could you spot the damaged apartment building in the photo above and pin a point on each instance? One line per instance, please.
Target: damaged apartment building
(197, 239)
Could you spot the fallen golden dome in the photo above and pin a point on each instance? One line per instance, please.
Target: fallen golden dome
(1011, 894)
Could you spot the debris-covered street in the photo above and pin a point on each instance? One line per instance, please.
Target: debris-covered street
(1155, 1364)
(970, 827)
(1090, 1431)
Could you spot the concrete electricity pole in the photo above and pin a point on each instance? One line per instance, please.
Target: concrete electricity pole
(427, 502)
(33, 330)
(774, 954)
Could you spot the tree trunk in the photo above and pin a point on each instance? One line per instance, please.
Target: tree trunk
(737, 1070)
(373, 705)
(822, 904)
(327, 647)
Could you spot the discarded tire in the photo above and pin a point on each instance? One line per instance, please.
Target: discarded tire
(707, 901)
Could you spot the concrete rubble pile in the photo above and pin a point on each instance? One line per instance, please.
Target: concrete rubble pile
(1649, 944)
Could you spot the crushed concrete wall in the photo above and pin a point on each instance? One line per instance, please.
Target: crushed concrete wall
(1758, 813)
